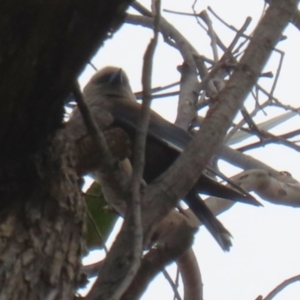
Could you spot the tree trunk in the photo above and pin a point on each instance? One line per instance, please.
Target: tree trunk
(44, 45)
(42, 234)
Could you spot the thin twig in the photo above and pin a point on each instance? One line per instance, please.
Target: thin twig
(267, 138)
(281, 287)
(134, 205)
(238, 35)
(239, 125)
(93, 66)
(177, 278)
(108, 163)
(198, 17)
(158, 96)
(139, 95)
(159, 88)
(281, 53)
(173, 285)
(271, 98)
(178, 13)
(204, 16)
(225, 23)
(251, 124)
(169, 32)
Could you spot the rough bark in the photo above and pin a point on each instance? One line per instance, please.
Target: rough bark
(42, 237)
(44, 45)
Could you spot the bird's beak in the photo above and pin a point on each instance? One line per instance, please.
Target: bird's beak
(117, 77)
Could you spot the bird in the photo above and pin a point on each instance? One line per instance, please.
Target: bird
(114, 107)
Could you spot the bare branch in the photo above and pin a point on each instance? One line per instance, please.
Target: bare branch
(134, 204)
(172, 284)
(219, 117)
(191, 276)
(281, 287)
(157, 258)
(107, 162)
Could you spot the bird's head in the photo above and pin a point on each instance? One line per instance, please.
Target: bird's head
(110, 81)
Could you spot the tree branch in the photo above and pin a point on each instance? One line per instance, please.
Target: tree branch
(168, 189)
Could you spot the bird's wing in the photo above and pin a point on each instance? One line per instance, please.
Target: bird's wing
(113, 106)
(163, 137)
(127, 114)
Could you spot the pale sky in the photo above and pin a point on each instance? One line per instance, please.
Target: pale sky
(266, 242)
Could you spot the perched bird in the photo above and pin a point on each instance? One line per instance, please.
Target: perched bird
(114, 107)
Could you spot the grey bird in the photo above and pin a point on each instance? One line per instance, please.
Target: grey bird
(115, 109)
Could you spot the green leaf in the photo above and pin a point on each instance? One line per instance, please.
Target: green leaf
(101, 218)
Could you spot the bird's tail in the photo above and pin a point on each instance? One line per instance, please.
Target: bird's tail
(213, 225)
(211, 187)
